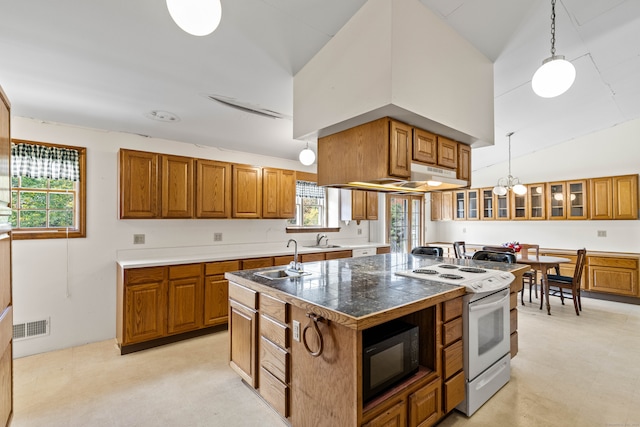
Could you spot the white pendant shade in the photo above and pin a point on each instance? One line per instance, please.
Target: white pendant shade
(554, 77)
(519, 189)
(196, 17)
(307, 156)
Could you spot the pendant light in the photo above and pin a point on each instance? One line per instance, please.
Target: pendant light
(556, 75)
(509, 183)
(307, 156)
(196, 17)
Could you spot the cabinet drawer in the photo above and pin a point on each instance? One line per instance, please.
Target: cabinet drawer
(451, 309)
(453, 391)
(136, 276)
(275, 332)
(184, 271)
(614, 262)
(452, 331)
(213, 268)
(282, 260)
(243, 295)
(248, 264)
(338, 255)
(275, 308)
(312, 257)
(274, 359)
(274, 392)
(452, 359)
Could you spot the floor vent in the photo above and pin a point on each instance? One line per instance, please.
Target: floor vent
(34, 329)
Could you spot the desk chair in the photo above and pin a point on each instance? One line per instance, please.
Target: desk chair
(427, 250)
(568, 283)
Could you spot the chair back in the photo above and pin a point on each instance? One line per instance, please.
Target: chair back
(498, 249)
(580, 261)
(507, 257)
(459, 249)
(526, 247)
(427, 250)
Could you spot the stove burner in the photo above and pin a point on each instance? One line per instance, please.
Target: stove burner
(473, 270)
(451, 276)
(424, 271)
(449, 266)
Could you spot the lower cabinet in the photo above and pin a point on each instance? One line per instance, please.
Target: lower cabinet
(452, 355)
(424, 405)
(243, 332)
(392, 417)
(145, 304)
(184, 298)
(216, 291)
(6, 365)
(618, 276)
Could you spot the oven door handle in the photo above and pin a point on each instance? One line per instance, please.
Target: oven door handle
(488, 305)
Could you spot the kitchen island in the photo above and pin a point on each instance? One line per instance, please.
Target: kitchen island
(275, 328)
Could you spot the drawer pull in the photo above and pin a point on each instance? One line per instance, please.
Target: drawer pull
(313, 321)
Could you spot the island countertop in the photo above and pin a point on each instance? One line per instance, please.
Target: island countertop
(360, 292)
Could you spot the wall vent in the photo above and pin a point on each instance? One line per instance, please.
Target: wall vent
(34, 329)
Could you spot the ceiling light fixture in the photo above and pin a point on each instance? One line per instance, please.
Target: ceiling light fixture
(556, 75)
(509, 183)
(307, 156)
(196, 17)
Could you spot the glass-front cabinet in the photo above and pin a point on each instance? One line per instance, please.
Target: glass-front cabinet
(487, 204)
(536, 201)
(472, 204)
(502, 206)
(460, 202)
(519, 206)
(577, 199)
(556, 195)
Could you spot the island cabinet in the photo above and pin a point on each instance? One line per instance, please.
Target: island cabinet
(243, 333)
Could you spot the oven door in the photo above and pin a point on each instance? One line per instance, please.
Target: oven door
(487, 332)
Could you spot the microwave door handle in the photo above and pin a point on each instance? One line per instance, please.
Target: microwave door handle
(479, 307)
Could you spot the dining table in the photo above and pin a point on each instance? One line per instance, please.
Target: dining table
(542, 263)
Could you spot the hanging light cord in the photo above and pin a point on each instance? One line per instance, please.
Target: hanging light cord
(509, 135)
(553, 27)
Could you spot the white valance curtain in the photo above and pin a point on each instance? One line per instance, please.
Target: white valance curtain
(309, 190)
(41, 161)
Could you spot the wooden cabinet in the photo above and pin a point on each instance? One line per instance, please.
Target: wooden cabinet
(358, 205)
(185, 298)
(338, 255)
(442, 206)
(613, 197)
(464, 162)
(473, 204)
(577, 199)
(213, 189)
(318, 256)
(249, 263)
(139, 185)
(519, 205)
(536, 197)
(460, 205)
(487, 204)
(177, 186)
(613, 275)
(556, 194)
(452, 355)
(278, 193)
(395, 416)
(601, 198)
(425, 147)
(424, 405)
(246, 191)
(145, 304)
(216, 291)
(447, 153)
(502, 210)
(243, 332)
(6, 381)
(400, 149)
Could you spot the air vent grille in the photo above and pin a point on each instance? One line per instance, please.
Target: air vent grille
(30, 329)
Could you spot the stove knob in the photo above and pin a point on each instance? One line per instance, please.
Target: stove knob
(474, 285)
(480, 284)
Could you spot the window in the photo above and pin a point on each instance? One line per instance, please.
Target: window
(48, 188)
(310, 206)
(405, 222)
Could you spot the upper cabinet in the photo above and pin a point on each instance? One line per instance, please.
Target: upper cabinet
(400, 150)
(358, 205)
(536, 206)
(278, 193)
(138, 184)
(614, 197)
(556, 194)
(442, 206)
(487, 204)
(577, 199)
(213, 189)
(425, 147)
(246, 201)
(177, 187)
(464, 162)
(447, 153)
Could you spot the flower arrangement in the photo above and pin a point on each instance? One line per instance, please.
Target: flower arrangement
(513, 245)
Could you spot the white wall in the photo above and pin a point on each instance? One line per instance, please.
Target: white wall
(614, 151)
(74, 282)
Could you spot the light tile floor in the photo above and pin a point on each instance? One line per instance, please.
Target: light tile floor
(570, 371)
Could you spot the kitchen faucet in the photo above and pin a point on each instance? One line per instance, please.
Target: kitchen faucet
(319, 238)
(294, 265)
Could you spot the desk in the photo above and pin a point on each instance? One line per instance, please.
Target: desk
(542, 263)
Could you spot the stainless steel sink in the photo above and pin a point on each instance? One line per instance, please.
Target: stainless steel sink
(280, 274)
(323, 246)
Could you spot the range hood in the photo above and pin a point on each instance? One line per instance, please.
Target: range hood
(423, 179)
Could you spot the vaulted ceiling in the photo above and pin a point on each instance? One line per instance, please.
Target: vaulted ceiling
(110, 65)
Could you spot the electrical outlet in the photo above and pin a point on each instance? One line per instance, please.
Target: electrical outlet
(296, 330)
(217, 237)
(138, 239)
(602, 233)
(359, 231)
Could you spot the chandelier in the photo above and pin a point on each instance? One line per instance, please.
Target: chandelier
(556, 75)
(510, 182)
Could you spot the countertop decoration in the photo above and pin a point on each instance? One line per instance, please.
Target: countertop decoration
(513, 245)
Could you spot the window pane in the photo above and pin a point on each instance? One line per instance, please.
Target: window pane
(399, 225)
(61, 218)
(62, 184)
(14, 219)
(311, 216)
(15, 181)
(34, 182)
(60, 201)
(31, 219)
(33, 200)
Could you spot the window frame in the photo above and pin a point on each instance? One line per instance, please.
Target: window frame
(81, 208)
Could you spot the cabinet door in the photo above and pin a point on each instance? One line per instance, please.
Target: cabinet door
(464, 162)
(447, 205)
(625, 197)
(536, 201)
(613, 280)
(213, 189)
(358, 205)
(372, 205)
(216, 300)
(6, 384)
(487, 207)
(138, 184)
(577, 199)
(392, 417)
(447, 153)
(270, 190)
(145, 311)
(247, 191)
(473, 204)
(424, 405)
(425, 147)
(177, 187)
(185, 304)
(242, 342)
(519, 208)
(556, 195)
(400, 150)
(287, 196)
(502, 207)
(460, 205)
(601, 198)
(436, 206)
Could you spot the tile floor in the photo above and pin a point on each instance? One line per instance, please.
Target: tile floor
(570, 371)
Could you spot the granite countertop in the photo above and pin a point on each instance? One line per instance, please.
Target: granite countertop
(361, 287)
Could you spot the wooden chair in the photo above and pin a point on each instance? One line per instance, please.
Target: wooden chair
(507, 257)
(530, 277)
(427, 250)
(568, 283)
(459, 249)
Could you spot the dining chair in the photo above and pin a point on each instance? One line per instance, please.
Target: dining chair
(529, 277)
(483, 255)
(427, 250)
(498, 249)
(459, 249)
(568, 283)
